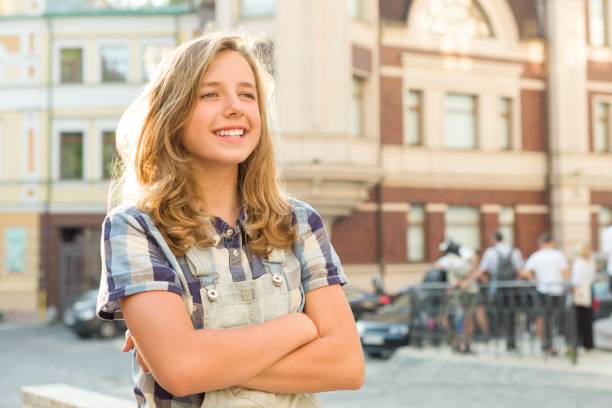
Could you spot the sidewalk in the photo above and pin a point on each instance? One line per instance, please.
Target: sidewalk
(593, 362)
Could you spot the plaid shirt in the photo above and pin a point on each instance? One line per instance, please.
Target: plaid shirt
(137, 259)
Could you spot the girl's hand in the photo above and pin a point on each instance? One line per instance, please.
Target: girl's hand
(128, 345)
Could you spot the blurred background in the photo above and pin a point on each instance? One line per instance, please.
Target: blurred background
(403, 122)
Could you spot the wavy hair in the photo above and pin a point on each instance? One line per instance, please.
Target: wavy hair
(154, 174)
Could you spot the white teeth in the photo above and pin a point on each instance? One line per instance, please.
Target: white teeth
(234, 133)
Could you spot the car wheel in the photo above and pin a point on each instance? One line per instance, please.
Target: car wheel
(107, 330)
(83, 335)
(380, 354)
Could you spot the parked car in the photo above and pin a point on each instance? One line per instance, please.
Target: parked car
(384, 331)
(602, 299)
(362, 301)
(81, 318)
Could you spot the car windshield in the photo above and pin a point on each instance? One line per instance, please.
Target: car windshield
(400, 304)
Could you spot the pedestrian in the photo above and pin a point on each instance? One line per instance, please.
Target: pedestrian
(583, 276)
(463, 294)
(549, 268)
(501, 263)
(606, 246)
(260, 318)
(480, 313)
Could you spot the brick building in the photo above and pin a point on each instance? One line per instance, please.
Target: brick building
(402, 122)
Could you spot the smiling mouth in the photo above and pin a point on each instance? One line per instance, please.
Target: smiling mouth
(231, 134)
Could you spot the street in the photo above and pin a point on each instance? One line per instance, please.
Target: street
(36, 354)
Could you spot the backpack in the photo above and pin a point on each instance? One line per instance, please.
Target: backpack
(505, 268)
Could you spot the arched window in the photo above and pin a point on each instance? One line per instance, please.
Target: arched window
(464, 18)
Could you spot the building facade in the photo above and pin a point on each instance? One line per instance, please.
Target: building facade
(403, 122)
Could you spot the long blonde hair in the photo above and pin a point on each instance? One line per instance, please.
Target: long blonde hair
(155, 174)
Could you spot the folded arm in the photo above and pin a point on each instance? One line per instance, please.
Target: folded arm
(187, 361)
(334, 361)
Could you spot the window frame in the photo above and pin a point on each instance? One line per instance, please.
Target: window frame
(508, 116)
(59, 127)
(595, 120)
(422, 224)
(419, 110)
(103, 125)
(477, 225)
(58, 46)
(605, 22)
(157, 41)
(113, 42)
(475, 117)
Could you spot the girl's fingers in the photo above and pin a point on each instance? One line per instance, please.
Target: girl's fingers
(128, 344)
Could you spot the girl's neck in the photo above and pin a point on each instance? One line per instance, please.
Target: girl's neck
(219, 187)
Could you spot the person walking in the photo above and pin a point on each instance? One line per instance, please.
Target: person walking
(583, 276)
(501, 264)
(606, 246)
(548, 267)
(463, 294)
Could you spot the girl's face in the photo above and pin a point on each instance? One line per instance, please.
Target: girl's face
(225, 126)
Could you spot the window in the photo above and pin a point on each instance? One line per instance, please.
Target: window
(109, 153)
(460, 121)
(601, 134)
(506, 224)
(15, 249)
(152, 54)
(258, 8)
(463, 18)
(416, 233)
(463, 226)
(598, 22)
(357, 110)
(605, 219)
(505, 123)
(114, 61)
(71, 155)
(355, 8)
(412, 124)
(71, 65)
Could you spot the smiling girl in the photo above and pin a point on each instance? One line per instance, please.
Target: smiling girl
(230, 289)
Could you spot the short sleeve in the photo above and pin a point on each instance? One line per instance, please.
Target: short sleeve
(318, 260)
(531, 263)
(132, 262)
(488, 260)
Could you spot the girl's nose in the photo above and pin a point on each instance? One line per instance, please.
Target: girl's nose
(232, 106)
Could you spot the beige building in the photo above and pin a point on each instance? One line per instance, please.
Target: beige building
(67, 72)
(403, 122)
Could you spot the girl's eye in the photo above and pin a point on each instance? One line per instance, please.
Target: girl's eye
(208, 95)
(248, 95)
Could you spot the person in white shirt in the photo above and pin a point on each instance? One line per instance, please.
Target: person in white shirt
(549, 268)
(583, 276)
(501, 263)
(606, 247)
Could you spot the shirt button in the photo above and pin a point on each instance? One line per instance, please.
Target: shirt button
(229, 232)
(235, 252)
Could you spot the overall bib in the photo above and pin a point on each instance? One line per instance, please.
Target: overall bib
(227, 304)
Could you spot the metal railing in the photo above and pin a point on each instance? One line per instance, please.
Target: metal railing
(510, 317)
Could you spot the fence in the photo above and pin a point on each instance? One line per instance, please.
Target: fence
(512, 317)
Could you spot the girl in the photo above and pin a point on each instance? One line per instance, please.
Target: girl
(260, 319)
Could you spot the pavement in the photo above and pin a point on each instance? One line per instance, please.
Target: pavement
(36, 354)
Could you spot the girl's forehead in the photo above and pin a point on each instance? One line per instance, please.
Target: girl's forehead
(229, 65)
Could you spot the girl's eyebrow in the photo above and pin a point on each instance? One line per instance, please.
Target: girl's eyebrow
(214, 84)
